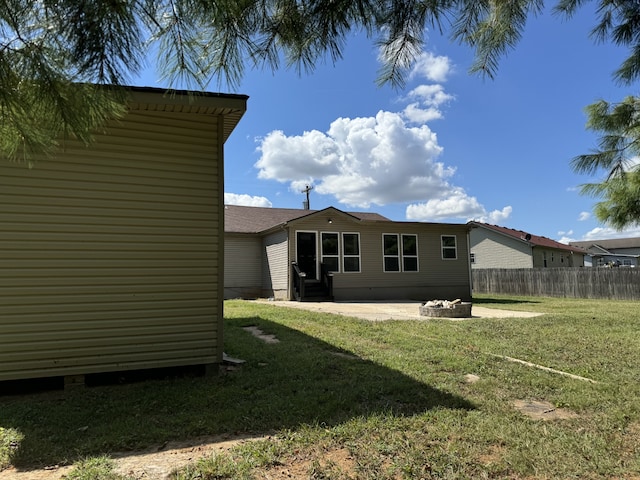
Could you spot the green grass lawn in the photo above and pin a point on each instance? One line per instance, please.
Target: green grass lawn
(347, 398)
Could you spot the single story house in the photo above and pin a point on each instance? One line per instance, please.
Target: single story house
(330, 254)
(493, 246)
(618, 252)
(112, 254)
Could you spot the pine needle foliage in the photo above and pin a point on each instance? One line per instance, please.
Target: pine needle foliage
(62, 61)
(618, 155)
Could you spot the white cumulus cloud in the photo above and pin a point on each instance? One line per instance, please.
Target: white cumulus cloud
(415, 113)
(584, 216)
(389, 158)
(246, 200)
(431, 67)
(285, 158)
(603, 233)
(455, 205)
(566, 237)
(426, 102)
(498, 216)
(360, 161)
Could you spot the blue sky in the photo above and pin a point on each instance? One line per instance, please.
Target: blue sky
(449, 147)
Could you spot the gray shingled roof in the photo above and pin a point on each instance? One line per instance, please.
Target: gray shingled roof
(612, 244)
(241, 219)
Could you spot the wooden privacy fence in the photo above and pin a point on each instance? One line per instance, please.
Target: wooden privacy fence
(587, 282)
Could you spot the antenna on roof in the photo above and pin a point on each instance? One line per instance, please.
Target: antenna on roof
(305, 204)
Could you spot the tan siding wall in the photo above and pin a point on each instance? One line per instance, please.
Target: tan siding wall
(493, 250)
(109, 256)
(555, 258)
(242, 266)
(436, 278)
(276, 266)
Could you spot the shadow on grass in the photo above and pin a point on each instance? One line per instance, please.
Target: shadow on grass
(299, 381)
(502, 301)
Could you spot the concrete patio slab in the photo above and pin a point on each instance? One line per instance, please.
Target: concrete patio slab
(392, 310)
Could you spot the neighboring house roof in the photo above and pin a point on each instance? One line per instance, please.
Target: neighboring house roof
(533, 240)
(607, 245)
(241, 219)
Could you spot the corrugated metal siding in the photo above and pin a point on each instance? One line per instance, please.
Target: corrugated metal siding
(276, 266)
(242, 266)
(435, 276)
(492, 250)
(108, 256)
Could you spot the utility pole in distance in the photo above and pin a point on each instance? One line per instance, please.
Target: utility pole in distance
(305, 204)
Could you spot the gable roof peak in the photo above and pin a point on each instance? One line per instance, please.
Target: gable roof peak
(245, 219)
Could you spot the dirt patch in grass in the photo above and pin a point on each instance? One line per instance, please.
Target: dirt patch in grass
(334, 463)
(494, 454)
(154, 463)
(265, 337)
(541, 410)
(630, 441)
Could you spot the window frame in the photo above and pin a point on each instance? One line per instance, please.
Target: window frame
(323, 255)
(405, 256)
(396, 256)
(444, 247)
(346, 256)
(400, 255)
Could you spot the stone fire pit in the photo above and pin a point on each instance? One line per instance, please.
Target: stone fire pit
(446, 309)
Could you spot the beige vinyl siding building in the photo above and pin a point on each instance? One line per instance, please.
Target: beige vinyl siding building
(354, 244)
(493, 246)
(435, 278)
(491, 252)
(112, 255)
(276, 265)
(243, 282)
(256, 266)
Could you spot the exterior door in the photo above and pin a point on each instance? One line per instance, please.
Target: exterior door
(306, 253)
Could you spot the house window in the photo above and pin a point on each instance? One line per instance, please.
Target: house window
(400, 252)
(391, 252)
(409, 253)
(472, 257)
(330, 253)
(449, 248)
(350, 252)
